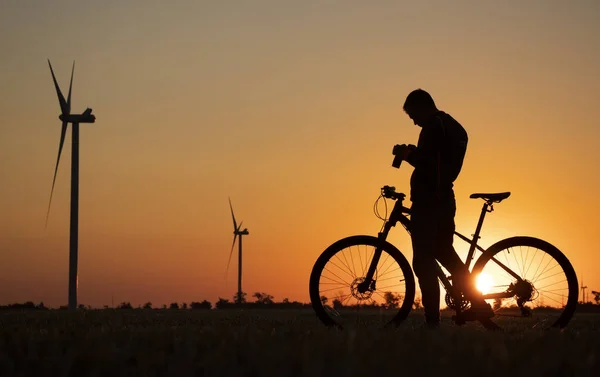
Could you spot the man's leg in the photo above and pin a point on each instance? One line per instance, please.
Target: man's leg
(461, 277)
(447, 256)
(423, 226)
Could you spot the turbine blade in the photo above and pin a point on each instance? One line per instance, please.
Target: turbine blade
(232, 216)
(63, 133)
(240, 226)
(70, 86)
(230, 254)
(61, 99)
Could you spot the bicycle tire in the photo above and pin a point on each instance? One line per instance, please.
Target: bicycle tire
(554, 252)
(366, 240)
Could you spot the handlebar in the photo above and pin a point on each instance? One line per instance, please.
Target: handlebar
(390, 192)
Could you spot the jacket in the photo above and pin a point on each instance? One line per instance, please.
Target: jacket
(437, 159)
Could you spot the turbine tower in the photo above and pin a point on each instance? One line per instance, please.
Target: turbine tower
(583, 288)
(237, 232)
(66, 117)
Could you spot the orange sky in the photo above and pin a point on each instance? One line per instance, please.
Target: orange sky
(292, 110)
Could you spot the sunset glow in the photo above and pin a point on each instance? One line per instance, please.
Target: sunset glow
(291, 109)
(484, 283)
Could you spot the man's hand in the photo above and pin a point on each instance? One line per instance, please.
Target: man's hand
(402, 150)
(409, 149)
(398, 149)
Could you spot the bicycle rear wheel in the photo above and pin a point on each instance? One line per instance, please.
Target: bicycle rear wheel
(545, 295)
(334, 280)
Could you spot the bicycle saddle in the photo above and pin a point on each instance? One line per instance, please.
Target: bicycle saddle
(495, 197)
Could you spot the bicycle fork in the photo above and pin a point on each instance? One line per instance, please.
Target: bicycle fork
(369, 284)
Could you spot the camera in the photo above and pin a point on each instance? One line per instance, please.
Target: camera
(397, 161)
(398, 151)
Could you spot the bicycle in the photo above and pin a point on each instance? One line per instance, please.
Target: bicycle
(393, 308)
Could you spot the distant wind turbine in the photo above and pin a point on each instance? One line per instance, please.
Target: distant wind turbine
(66, 117)
(236, 233)
(583, 288)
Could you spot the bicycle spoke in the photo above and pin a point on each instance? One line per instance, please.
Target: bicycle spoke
(343, 270)
(352, 259)
(360, 260)
(337, 277)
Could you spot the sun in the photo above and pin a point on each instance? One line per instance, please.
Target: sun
(484, 283)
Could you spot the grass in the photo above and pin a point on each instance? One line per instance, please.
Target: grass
(280, 343)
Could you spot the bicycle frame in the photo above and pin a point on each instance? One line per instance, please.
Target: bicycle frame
(398, 215)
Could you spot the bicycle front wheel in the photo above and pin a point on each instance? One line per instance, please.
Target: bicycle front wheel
(529, 279)
(334, 284)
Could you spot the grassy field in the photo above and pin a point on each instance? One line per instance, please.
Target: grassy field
(280, 343)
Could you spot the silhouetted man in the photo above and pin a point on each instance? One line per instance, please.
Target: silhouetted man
(437, 160)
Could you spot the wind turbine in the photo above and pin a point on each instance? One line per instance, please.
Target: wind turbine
(583, 288)
(236, 233)
(66, 117)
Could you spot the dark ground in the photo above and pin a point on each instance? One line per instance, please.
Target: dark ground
(281, 343)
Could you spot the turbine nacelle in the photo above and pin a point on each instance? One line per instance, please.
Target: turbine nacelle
(239, 232)
(86, 117)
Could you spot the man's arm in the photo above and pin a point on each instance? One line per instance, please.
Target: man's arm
(427, 153)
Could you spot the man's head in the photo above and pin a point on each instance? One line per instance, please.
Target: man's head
(419, 106)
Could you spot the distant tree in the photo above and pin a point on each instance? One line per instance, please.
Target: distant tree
(285, 301)
(596, 297)
(174, 306)
(25, 306)
(81, 307)
(148, 305)
(125, 305)
(222, 303)
(41, 305)
(200, 305)
(184, 305)
(241, 299)
(392, 300)
(164, 306)
(263, 298)
(324, 300)
(337, 304)
(342, 298)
